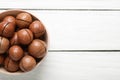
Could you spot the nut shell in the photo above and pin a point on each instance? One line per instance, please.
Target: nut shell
(37, 28)
(11, 65)
(2, 26)
(7, 29)
(4, 45)
(16, 52)
(14, 39)
(1, 59)
(27, 63)
(37, 48)
(23, 20)
(25, 36)
(9, 19)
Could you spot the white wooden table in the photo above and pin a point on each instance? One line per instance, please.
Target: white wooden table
(84, 39)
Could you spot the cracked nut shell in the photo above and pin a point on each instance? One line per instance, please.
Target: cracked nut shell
(4, 45)
(7, 29)
(23, 20)
(37, 28)
(37, 48)
(1, 59)
(16, 52)
(25, 36)
(27, 63)
(9, 19)
(14, 39)
(11, 65)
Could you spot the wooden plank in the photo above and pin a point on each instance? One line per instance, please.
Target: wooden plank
(81, 30)
(61, 4)
(78, 66)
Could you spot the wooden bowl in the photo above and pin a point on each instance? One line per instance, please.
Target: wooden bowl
(44, 38)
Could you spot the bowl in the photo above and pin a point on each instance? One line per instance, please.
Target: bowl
(44, 37)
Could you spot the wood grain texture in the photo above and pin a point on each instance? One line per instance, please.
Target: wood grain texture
(75, 66)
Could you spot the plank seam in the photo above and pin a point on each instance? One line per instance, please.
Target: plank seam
(35, 9)
(83, 50)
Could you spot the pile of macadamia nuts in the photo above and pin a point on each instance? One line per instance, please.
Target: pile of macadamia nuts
(22, 42)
